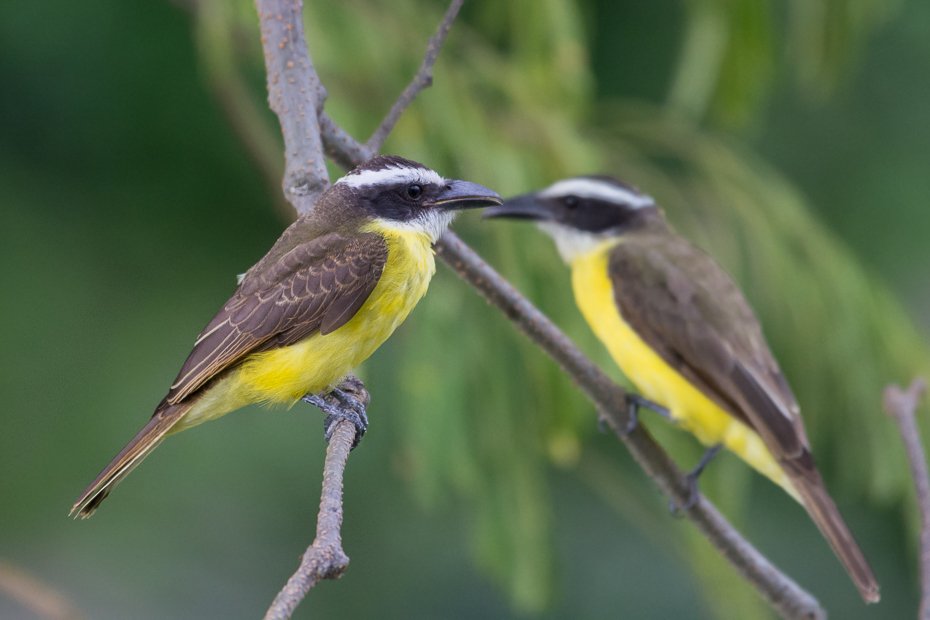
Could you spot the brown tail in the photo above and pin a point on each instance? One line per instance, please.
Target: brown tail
(823, 511)
(137, 449)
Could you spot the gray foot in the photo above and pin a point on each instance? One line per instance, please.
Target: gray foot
(637, 402)
(337, 405)
(692, 477)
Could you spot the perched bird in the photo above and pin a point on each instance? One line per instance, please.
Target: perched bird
(681, 330)
(328, 293)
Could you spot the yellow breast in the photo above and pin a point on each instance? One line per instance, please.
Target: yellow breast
(316, 363)
(658, 381)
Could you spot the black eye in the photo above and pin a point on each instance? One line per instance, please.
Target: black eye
(414, 191)
(571, 202)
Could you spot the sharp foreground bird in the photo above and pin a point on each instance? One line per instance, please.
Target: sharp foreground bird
(331, 290)
(681, 330)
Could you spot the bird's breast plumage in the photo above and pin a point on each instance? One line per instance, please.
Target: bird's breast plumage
(659, 382)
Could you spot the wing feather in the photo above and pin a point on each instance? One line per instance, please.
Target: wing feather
(317, 286)
(693, 315)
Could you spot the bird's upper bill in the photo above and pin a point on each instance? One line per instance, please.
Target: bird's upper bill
(466, 195)
(524, 207)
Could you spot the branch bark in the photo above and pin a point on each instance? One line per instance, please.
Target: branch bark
(902, 405)
(296, 95)
(303, 140)
(324, 559)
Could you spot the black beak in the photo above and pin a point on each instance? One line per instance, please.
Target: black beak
(464, 195)
(525, 207)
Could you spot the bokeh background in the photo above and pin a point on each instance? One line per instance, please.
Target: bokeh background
(140, 172)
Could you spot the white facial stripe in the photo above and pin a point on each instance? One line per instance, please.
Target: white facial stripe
(432, 223)
(391, 176)
(591, 188)
(572, 242)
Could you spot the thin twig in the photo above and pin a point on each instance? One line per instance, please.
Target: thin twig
(789, 599)
(423, 79)
(902, 407)
(610, 399)
(324, 559)
(296, 95)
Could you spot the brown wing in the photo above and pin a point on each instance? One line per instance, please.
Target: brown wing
(689, 310)
(317, 286)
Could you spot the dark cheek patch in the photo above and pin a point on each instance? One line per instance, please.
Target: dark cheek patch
(396, 204)
(393, 205)
(594, 216)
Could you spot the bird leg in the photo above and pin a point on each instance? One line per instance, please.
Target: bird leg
(346, 402)
(635, 402)
(692, 478)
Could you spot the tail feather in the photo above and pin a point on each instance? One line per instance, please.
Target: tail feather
(142, 444)
(809, 485)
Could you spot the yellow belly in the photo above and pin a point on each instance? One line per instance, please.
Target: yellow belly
(283, 376)
(658, 381)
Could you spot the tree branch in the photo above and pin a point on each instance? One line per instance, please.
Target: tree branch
(423, 79)
(610, 399)
(902, 406)
(324, 559)
(296, 95)
(340, 146)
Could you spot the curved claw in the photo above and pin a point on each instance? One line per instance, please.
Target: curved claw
(635, 402)
(692, 478)
(346, 409)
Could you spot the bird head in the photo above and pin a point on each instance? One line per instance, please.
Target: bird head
(581, 212)
(400, 194)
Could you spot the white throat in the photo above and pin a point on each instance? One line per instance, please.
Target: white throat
(572, 242)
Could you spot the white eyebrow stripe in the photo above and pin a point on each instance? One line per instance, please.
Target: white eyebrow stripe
(390, 176)
(589, 188)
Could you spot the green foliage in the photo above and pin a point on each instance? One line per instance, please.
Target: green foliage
(734, 51)
(827, 36)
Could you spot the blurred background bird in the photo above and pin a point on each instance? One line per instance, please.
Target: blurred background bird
(683, 333)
